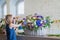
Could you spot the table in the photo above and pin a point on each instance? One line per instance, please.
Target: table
(31, 37)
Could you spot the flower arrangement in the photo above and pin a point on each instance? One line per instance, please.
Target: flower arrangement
(2, 26)
(34, 22)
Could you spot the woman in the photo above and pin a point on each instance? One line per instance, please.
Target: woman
(10, 28)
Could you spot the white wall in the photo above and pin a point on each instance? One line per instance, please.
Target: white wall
(46, 8)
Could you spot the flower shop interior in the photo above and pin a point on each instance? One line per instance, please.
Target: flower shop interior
(39, 19)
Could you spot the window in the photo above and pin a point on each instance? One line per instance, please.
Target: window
(20, 8)
(5, 10)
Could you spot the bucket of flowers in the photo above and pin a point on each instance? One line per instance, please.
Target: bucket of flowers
(37, 22)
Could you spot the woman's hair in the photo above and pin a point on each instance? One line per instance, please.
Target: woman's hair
(7, 19)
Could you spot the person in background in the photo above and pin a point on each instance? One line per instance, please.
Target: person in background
(10, 28)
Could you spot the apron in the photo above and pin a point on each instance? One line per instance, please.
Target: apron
(11, 35)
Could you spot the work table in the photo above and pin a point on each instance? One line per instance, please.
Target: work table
(35, 37)
(31, 37)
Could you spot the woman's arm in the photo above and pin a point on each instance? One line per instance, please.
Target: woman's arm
(15, 25)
